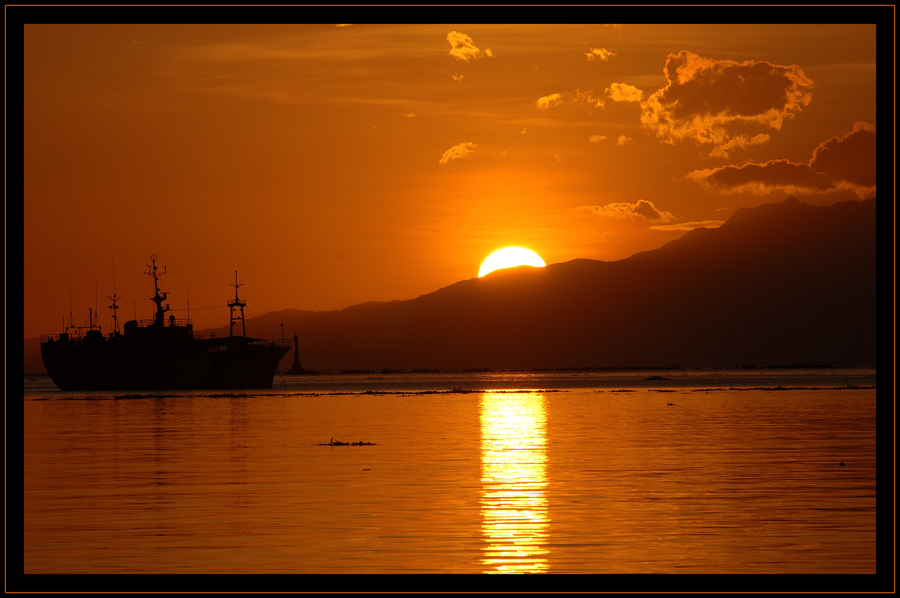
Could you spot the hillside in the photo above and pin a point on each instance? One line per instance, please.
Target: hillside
(778, 284)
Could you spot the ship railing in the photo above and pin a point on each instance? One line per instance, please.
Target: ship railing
(46, 338)
(72, 334)
(167, 322)
(281, 342)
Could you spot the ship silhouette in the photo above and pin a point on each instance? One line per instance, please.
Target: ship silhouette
(161, 354)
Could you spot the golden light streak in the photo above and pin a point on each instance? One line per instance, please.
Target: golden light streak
(513, 482)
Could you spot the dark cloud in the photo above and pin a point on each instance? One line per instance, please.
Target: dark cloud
(764, 178)
(621, 210)
(703, 96)
(846, 162)
(648, 210)
(849, 158)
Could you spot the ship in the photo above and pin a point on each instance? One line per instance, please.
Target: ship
(162, 353)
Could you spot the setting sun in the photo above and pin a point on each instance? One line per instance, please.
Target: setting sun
(509, 257)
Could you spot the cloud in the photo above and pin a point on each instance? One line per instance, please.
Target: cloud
(764, 178)
(620, 210)
(548, 101)
(622, 140)
(601, 53)
(409, 115)
(849, 158)
(596, 138)
(703, 96)
(578, 96)
(557, 158)
(462, 47)
(846, 162)
(456, 152)
(344, 25)
(622, 92)
(739, 142)
(689, 225)
(587, 97)
(457, 78)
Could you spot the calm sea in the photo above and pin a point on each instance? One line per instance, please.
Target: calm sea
(685, 471)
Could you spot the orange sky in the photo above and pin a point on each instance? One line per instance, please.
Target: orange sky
(332, 165)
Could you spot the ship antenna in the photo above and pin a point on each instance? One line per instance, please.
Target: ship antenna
(114, 307)
(158, 297)
(114, 298)
(236, 303)
(71, 318)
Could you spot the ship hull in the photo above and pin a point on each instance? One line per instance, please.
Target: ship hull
(115, 364)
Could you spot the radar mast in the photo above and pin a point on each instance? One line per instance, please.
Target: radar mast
(237, 303)
(158, 297)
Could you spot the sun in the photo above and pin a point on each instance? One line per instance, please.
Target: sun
(509, 257)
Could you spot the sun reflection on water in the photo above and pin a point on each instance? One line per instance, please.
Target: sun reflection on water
(513, 482)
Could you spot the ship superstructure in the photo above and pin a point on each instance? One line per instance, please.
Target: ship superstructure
(161, 354)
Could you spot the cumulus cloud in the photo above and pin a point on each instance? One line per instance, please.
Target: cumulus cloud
(596, 138)
(849, 158)
(846, 162)
(409, 115)
(463, 48)
(622, 92)
(456, 152)
(621, 210)
(601, 53)
(703, 96)
(622, 140)
(457, 78)
(579, 96)
(548, 101)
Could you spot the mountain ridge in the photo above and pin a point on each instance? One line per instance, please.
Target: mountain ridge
(777, 284)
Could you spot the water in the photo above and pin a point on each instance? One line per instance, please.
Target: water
(559, 472)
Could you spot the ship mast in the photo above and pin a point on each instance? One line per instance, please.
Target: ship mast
(236, 303)
(158, 297)
(115, 297)
(114, 307)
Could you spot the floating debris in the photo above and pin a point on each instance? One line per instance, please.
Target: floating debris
(334, 442)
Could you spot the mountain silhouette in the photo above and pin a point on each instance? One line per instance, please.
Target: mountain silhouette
(778, 284)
